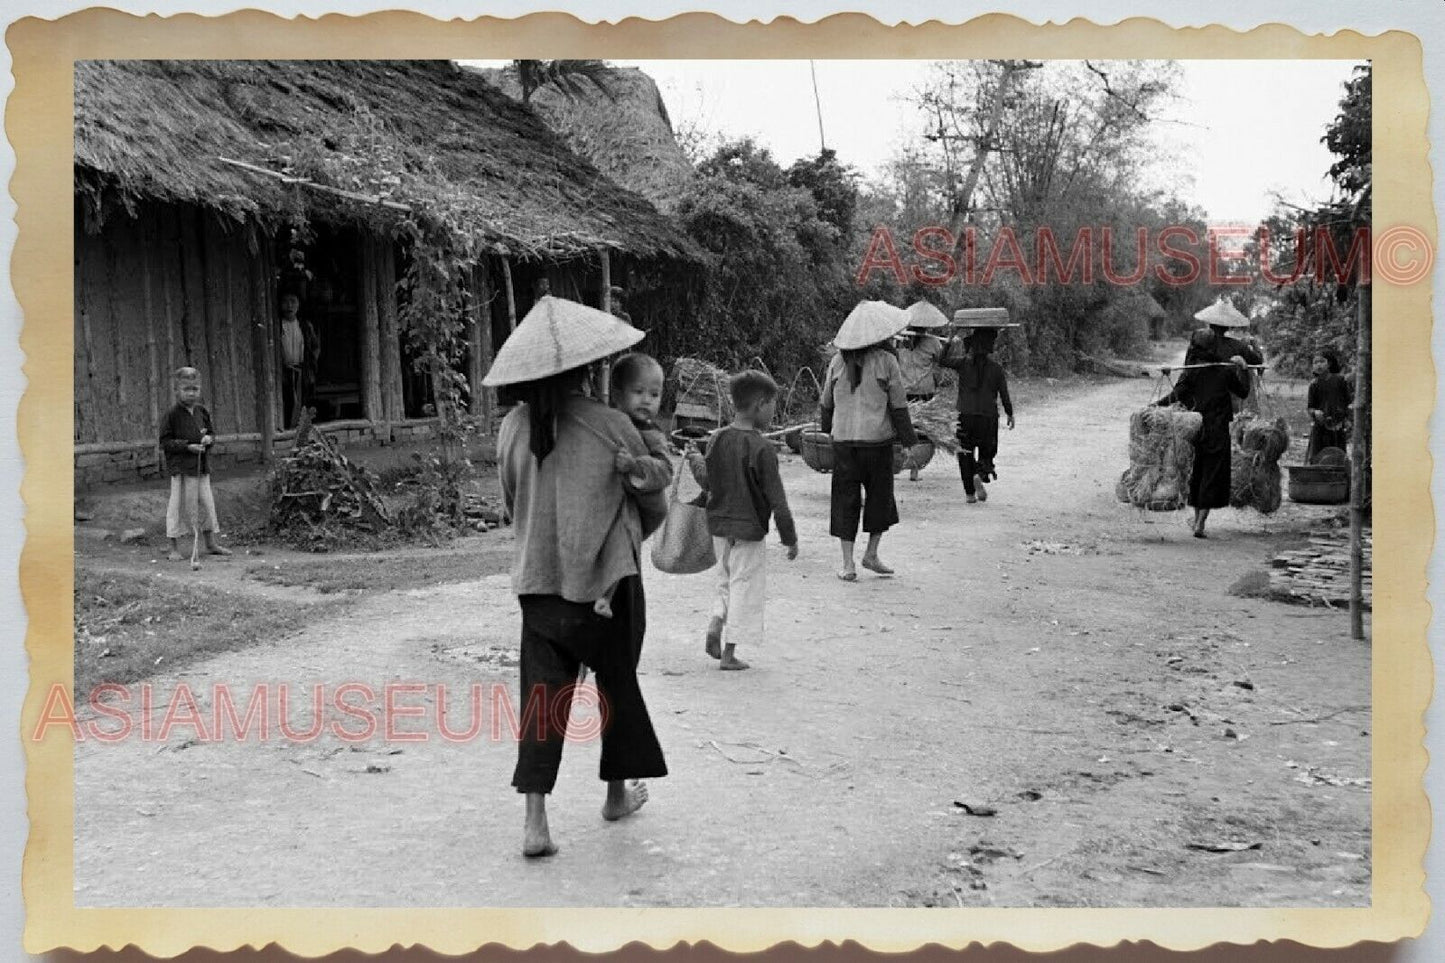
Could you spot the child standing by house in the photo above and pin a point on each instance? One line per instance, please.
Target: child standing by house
(982, 388)
(744, 489)
(636, 391)
(1329, 400)
(186, 435)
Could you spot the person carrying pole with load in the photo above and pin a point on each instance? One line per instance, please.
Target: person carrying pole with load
(1215, 371)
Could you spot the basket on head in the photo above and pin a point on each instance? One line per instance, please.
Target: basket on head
(816, 448)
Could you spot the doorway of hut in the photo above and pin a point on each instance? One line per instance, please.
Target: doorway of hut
(324, 274)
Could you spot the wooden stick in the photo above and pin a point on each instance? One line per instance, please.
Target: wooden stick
(1211, 364)
(305, 182)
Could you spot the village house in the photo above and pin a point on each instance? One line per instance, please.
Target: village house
(197, 206)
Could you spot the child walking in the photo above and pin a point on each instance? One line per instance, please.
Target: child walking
(744, 489)
(187, 434)
(636, 391)
(1329, 400)
(982, 388)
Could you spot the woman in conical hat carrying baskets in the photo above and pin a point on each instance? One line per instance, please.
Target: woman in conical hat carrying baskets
(577, 532)
(1209, 390)
(866, 412)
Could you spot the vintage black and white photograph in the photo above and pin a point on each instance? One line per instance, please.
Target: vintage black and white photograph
(722, 483)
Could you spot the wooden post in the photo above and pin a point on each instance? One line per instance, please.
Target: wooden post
(603, 371)
(265, 364)
(511, 293)
(479, 343)
(389, 333)
(154, 382)
(371, 403)
(1359, 451)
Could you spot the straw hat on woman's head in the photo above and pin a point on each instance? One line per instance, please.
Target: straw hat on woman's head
(870, 323)
(925, 315)
(558, 335)
(1223, 314)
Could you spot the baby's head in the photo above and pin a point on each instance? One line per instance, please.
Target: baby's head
(636, 387)
(187, 382)
(755, 396)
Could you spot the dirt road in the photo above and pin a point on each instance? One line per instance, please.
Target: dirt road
(1051, 656)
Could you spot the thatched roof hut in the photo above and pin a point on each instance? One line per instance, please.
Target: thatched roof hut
(159, 129)
(207, 189)
(624, 129)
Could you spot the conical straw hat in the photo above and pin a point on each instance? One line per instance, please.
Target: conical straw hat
(1224, 314)
(925, 315)
(871, 322)
(558, 335)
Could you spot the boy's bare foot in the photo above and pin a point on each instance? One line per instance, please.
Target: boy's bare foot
(731, 663)
(972, 499)
(874, 564)
(623, 799)
(848, 575)
(602, 608)
(713, 645)
(214, 549)
(537, 844)
(175, 556)
(536, 838)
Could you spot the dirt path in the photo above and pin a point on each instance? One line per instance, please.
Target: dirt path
(1051, 655)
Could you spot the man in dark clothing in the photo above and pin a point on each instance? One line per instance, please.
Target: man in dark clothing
(1210, 391)
(982, 388)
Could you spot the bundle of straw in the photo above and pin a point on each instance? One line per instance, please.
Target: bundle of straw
(697, 382)
(1254, 480)
(1161, 458)
(937, 419)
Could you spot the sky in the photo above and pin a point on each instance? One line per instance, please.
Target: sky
(1240, 130)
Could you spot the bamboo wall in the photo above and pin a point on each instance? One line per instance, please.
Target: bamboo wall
(174, 286)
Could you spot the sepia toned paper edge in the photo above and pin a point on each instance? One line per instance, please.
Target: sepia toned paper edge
(39, 125)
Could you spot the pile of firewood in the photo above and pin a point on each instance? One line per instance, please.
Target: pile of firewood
(1320, 573)
(317, 495)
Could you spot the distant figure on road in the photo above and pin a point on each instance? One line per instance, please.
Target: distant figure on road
(1210, 391)
(1329, 400)
(865, 409)
(982, 388)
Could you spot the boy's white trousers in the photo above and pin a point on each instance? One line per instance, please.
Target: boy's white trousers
(186, 492)
(742, 589)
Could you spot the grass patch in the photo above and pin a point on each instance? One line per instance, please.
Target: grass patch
(386, 572)
(128, 627)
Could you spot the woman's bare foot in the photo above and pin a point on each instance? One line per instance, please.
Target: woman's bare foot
(536, 838)
(874, 564)
(623, 799)
(730, 662)
(713, 645)
(849, 575)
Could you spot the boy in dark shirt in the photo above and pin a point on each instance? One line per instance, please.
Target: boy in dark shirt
(744, 488)
(982, 387)
(186, 436)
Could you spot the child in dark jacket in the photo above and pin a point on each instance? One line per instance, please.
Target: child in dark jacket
(186, 436)
(744, 489)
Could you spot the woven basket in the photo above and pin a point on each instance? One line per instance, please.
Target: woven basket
(794, 439)
(917, 457)
(816, 447)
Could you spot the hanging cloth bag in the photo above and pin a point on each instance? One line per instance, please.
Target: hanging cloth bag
(683, 545)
